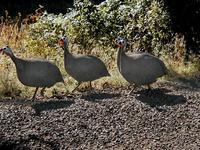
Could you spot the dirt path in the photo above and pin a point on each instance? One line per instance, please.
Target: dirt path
(168, 117)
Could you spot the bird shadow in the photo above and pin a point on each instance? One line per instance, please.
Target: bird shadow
(97, 97)
(50, 105)
(17, 101)
(23, 142)
(39, 106)
(159, 97)
(188, 82)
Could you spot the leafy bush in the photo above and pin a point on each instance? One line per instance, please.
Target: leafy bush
(144, 23)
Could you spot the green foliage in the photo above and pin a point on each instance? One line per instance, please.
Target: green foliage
(144, 23)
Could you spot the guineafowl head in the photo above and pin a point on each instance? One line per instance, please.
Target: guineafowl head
(6, 50)
(121, 42)
(63, 41)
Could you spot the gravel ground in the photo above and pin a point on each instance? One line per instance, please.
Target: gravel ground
(168, 117)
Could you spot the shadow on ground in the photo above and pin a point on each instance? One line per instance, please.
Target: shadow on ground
(159, 97)
(41, 105)
(50, 105)
(189, 82)
(97, 97)
(27, 143)
(17, 101)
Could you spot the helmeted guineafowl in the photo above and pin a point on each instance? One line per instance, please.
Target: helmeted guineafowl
(82, 68)
(139, 68)
(35, 73)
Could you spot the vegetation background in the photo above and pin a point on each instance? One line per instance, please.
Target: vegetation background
(164, 28)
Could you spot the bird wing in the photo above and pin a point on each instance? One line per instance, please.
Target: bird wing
(152, 64)
(86, 67)
(89, 63)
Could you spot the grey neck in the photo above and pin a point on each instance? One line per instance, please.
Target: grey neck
(66, 54)
(17, 61)
(66, 49)
(120, 54)
(13, 57)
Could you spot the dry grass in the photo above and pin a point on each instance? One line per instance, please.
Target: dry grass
(176, 64)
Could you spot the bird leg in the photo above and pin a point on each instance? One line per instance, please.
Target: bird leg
(42, 91)
(91, 89)
(79, 83)
(35, 93)
(90, 85)
(134, 87)
(149, 87)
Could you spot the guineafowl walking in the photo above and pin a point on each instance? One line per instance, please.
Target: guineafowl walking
(82, 68)
(35, 73)
(139, 69)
